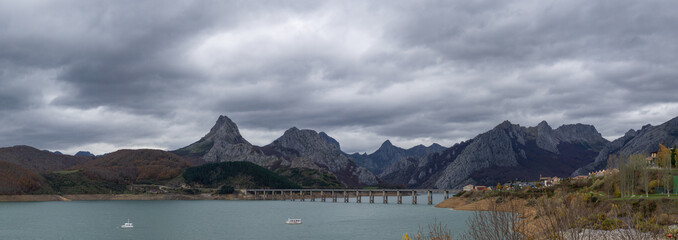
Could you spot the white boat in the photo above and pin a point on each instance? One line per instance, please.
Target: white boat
(293, 221)
(127, 225)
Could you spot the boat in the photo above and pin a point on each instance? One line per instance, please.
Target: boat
(127, 225)
(293, 221)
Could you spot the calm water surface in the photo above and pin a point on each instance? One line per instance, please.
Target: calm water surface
(222, 219)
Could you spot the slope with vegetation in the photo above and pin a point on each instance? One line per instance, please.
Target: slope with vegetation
(135, 166)
(632, 202)
(235, 174)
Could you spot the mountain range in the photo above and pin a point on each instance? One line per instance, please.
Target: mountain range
(507, 152)
(296, 148)
(314, 159)
(387, 154)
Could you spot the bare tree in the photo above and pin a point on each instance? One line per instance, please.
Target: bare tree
(666, 180)
(638, 163)
(560, 218)
(500, 221)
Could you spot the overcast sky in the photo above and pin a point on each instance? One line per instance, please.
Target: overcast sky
(105, 75)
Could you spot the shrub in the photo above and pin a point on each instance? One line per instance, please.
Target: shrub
(226, 190)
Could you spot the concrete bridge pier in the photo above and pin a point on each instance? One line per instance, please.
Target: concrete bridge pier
(446, 195)
(383, 193)
(414, 197)
(430, 197)
(357, 197)
(322, 196)
(301, 196)
(334, 196)
(312, 196)
(371, 197)
(399, 197)
(345, 196)
(292, 196)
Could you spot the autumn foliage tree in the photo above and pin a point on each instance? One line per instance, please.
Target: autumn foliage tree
(135, 166)
(15, 179)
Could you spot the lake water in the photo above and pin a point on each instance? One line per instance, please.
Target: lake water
(213, 219)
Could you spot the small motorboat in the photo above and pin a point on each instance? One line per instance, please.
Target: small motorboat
(293, 221)
(127, 225)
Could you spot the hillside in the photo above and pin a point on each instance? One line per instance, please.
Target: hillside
(15, 179)
(38, 161)
(235, 174)
(134, 166)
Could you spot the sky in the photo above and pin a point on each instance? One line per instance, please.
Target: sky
(104, 75)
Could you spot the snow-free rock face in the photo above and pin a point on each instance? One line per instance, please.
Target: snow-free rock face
(504, 153)
(643, 141)
(295, 149)
(225, 144)
(308, 144)
(387, 154)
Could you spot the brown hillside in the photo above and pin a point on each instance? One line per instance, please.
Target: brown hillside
(15, 179)
(38, 161)
(131, 166)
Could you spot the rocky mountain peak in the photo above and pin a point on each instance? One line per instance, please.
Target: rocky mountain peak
(386, 144)
(329, 139)
(305, 141)
(504, 125)
(581, 133)
(544, 125)
(226, 131)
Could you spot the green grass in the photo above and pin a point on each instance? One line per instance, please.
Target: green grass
(651, 196)
(74, 182)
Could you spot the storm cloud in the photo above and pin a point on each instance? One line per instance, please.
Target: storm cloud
(104, 75)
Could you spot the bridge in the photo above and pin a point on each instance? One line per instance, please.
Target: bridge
(346, 194)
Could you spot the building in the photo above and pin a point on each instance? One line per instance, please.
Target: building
(548, 181)
(469, 187)
(580, 177)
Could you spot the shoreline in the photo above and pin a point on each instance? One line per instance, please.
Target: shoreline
(527, 224)
(115, 197)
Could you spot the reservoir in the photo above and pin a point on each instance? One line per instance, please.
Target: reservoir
(215, 219)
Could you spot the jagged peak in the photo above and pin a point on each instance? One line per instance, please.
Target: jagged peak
(296, 130)
(386, 143)
(225, 130)
(504, 125)
(544, 124)
(329, 139)
(435, 145)
(224, 122)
